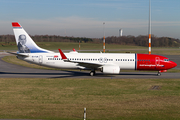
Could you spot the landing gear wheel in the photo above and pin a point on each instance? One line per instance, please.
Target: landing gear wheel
(92, 73)
(159, 74)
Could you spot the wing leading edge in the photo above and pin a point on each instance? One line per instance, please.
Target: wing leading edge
(83, 64)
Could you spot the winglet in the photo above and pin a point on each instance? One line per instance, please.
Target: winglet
(62, 55)
(74, 50)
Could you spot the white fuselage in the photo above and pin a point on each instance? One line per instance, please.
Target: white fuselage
(124, 61)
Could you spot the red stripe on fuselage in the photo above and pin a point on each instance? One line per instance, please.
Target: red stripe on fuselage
(153, 62)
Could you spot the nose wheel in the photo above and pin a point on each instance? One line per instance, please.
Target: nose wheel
(159, 74)
(92, 73)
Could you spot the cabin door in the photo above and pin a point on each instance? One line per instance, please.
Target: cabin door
(157, 62)
(40, 59)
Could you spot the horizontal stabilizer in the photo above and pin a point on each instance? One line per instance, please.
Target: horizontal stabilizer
(19, 54)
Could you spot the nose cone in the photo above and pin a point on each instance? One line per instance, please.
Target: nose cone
(173, 64)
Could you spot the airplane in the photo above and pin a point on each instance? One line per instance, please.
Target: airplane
(107, 63)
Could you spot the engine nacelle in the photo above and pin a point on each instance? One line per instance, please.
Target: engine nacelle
(110, 69)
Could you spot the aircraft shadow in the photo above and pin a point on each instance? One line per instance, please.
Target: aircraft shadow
(69, 74)
(138, 74)
(66, 74)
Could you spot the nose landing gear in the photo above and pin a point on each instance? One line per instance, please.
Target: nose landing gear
(92, 73)
(159, 73)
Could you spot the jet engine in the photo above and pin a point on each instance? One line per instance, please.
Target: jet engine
(110, 69)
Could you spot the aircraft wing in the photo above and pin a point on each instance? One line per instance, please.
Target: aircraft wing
(84, 64)
(88, 64)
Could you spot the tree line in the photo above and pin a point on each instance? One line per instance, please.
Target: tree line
(47, 38)
(144, 41)
(124, 40)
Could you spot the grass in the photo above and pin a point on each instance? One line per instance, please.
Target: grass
(8, 46)
(56, 99)
(70, 46)
(94, 46)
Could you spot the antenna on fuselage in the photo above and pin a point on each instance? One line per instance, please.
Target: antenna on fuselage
(149, 26)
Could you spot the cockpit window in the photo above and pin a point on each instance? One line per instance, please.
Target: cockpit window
(166, 60)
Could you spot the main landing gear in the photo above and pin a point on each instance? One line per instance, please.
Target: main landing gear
(92, 73)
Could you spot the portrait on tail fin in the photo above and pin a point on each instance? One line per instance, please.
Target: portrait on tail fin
(22, 44)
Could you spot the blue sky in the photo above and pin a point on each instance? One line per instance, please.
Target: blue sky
(84, 18)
